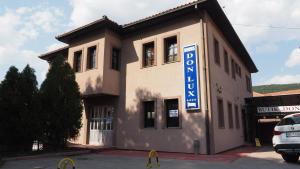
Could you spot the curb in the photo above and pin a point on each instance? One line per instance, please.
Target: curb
(45, 155)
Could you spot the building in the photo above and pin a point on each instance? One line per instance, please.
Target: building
(264, 111)
(165, 82)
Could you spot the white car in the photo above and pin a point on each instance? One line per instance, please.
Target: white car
(286, 139)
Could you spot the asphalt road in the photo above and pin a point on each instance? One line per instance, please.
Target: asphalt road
(262, 159)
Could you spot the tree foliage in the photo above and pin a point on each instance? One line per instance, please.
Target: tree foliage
(61, 104)
(51, 115)
(19, 122)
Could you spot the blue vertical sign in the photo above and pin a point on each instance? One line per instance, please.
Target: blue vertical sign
(191, 80)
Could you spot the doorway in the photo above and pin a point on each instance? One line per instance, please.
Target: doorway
(101, 126)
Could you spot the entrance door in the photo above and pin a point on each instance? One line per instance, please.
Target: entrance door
(101, 127)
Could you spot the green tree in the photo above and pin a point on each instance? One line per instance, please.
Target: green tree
(61, 103)
(10, 105)
(30, 119)
(19, 109)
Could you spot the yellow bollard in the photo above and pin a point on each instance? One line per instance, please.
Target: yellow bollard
(64, 163)
(152, 154)
(257, 142)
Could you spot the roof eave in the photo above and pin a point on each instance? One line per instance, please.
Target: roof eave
(220, 18)
(96, 25)
(48, 55)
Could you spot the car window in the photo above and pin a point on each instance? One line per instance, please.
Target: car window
(296, 119)
(286, 121)
(289, 121)
(281, 123)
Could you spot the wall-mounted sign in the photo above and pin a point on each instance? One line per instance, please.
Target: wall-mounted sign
(274, 109)
(191, 81)
(173, 113)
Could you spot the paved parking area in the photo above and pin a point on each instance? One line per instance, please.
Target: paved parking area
(263, 158)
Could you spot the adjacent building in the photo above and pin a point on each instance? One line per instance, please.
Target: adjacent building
(164, 82)
(266, 110)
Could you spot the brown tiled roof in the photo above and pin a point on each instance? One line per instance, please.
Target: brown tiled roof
(255, 94)
(211, 6)
(103, 20)
(164, 13)
(50, 54)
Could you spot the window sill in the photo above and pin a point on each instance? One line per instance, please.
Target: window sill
(144, 67)
(90, 69)
(116, 70)
(218, 64)
(166, 63)
(176, 128)
(149, 128)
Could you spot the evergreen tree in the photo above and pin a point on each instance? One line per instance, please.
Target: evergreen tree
(18, 109)
(30, 107)
(9, 109)
(61, 103)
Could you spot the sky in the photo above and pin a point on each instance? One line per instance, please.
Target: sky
(269, 29)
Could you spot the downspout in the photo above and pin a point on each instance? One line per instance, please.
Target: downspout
(206, 74)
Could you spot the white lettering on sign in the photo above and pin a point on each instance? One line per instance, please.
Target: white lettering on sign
(173, 113)
(188, 49)
(191, 81)
(273, 109)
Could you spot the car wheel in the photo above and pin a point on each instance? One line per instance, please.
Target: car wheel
(290, 158)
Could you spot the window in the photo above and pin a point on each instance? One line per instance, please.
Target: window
(217, 52)
(148, 54)
(91, 58)
(230, 115)
(115, 59)
(226, 62)
(172, 113)
(290, 121)
(238, 69)
(221, 121)
(237, 117)
(248, 84)
(149, 114)
(171, 49)
(233, 68)
(77, 61)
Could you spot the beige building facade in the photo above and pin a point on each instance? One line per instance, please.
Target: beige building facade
(132, 81)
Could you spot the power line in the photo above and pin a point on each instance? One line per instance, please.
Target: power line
(264, 26)
(268, 26)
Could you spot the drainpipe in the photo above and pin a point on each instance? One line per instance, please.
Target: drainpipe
(205, 70)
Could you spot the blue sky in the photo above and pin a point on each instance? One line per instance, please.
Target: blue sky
(270, 30)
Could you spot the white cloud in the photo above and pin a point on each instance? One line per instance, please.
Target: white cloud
(267, 48)
(294, 58)
(121, 11)
(46, 19)
(258, 13)
(55, 46)
(23, 10)
(22, 26)
(283, 13)
(283, 79)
